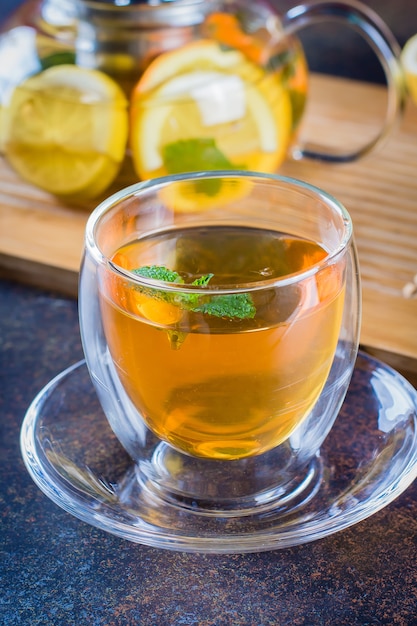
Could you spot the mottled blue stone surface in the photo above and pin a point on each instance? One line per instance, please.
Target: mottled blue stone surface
(55, 569)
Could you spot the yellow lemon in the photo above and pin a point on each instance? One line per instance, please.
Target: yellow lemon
(156, 311)
(67, 130)
(409, 63)
(203, 107)
(2, 129)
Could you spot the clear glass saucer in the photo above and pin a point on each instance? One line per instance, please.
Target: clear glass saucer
(367, 460)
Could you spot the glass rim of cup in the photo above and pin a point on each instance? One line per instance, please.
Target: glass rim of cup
(138, 188)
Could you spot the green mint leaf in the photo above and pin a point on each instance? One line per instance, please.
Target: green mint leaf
(65, 57)
(194, 155)
(237, 305)
(162, 273)
(158, 272)
(203, 280)
(232, 306)
(191, 300)
(280, 60)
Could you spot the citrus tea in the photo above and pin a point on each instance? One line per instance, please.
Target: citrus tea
(220, 372)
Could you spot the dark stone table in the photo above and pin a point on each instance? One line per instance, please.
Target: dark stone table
(55, 569)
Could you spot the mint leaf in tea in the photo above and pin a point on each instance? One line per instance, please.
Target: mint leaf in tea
(237, 305)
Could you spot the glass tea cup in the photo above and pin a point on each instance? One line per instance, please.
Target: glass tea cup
(219, 316)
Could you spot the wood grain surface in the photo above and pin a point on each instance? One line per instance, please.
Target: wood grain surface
(41, 238)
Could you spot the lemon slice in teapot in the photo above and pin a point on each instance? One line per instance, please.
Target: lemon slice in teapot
(67, 130)
(204, 95)
(409, 63)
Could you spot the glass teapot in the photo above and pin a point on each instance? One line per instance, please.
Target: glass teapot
(99, 93)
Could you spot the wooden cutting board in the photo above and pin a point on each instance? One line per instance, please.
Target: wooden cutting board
(41, 238)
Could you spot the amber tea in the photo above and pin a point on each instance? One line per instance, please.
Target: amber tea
(230, 374)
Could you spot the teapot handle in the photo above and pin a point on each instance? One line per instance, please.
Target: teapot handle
(374, 30)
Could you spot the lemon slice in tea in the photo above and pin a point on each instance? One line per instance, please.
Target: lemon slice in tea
(204, 95)
(67, 130)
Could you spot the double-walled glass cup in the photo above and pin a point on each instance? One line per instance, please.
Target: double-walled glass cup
(219, 316)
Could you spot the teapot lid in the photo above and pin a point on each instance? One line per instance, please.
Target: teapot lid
(144, 13)
(148, 13)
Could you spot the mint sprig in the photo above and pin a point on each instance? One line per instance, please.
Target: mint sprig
(158, 272)
(237, 305)
(231, 306)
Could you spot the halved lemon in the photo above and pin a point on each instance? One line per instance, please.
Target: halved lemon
(204, 93)
(67, 130)
(267, 47)
(409, 63)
